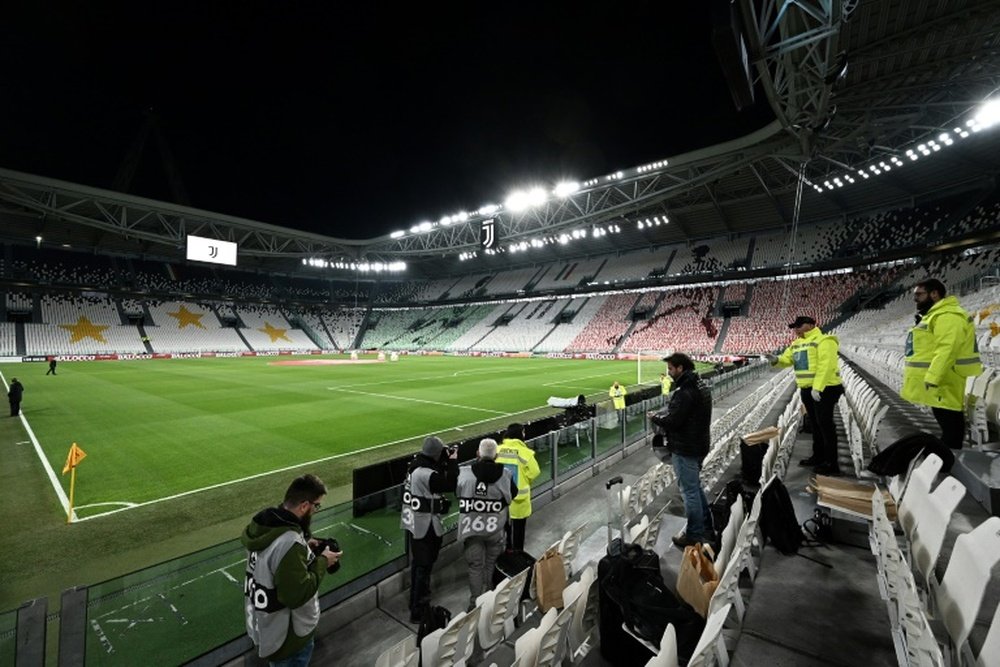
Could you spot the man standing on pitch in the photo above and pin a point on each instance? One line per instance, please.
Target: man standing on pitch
(941, 353)
(433, 472)
(814, 356)
(283, 575)
(485, 490)
(685, 423)
(14, 394)
(617, 394)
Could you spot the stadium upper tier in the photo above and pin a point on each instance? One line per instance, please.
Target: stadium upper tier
(77, 303)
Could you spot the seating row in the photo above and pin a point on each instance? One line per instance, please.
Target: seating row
(932, 619)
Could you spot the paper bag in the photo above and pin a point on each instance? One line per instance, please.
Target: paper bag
(761, 437)
(550, 580)
(697, 578)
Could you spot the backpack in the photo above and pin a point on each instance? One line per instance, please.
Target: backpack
(777, 519)
(435, 618)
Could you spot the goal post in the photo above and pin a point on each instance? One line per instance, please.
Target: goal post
(648, 366)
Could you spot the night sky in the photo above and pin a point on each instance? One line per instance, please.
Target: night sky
(354, 121)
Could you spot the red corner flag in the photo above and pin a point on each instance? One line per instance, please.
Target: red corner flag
(73, 460)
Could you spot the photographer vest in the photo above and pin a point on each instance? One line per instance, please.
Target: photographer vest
(420, 506)
(482, 506)
(267, 618)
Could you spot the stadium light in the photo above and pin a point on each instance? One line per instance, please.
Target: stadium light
(488, 209)
(988, 114)
(566, 188)
(397, 234)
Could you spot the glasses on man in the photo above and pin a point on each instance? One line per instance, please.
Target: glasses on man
(316, 506)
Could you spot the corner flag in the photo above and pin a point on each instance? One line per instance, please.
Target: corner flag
(73, 459)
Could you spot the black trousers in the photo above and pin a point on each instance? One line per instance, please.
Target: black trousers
(423, 554)
(824, 430)
(952, 423)
(515, 534)
(15, 408)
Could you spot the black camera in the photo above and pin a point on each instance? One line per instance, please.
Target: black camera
(321, 546)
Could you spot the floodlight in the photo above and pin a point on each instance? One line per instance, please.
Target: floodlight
(943, 136)
(445, 221)
(397, 234)
(988, 114)
(517, 201)
(566, 188)
(425, 226)
(488, 209)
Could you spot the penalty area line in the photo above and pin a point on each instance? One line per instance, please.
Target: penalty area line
(421, 400)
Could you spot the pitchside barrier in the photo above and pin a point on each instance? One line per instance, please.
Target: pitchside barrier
(189, 610)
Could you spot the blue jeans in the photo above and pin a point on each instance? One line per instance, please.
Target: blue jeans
(300, 659)
(699, 516)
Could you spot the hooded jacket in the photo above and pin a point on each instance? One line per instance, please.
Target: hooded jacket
(282, 580)
(814, 356)
(686, 420)
(485, 490)
(941, 351)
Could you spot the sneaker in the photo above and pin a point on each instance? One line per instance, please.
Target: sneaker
(828, 470)
(682, 541)
(811, 461)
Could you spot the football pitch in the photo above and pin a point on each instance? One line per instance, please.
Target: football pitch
(155, 429)
(180, 453)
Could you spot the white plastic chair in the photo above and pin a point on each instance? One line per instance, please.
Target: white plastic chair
(667, 655)
(729, 534)
(453, 645)
(538, 646)
(498, 609)
(711, 648)
(989, 654)
(961, 591)
(578, 595)
(402, 654)
(931, 525)
(916, 489)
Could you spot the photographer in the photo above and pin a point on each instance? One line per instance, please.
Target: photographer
(285, 566)
(432, 472)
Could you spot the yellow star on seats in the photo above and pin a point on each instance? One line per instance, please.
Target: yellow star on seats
(274, 333)
(84, 328)
(185, 317)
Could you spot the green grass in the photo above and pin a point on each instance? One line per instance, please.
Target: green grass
(181, 453)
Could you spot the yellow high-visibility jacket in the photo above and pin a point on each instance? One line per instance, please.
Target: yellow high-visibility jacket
(814, 356)
(618, 396)
(666, 383)
(519, 459)
(941, 351)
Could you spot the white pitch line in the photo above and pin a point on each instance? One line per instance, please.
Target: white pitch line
(63, 500)
(296, 466)
(420, 400)
(81, 507)
(585, 377)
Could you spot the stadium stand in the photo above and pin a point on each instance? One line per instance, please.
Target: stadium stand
(604, 331)
(563, 336)
(8, 339)
(633, 266)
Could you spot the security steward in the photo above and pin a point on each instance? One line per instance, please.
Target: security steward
(519, 459)
(617, 394)
(433, 472)
(665, 383)
(814, 357)
(485, 490)
(941, 352)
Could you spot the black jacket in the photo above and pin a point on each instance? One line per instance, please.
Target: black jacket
(444, 479)
(490, 472)
(16, 391)
(686, 420)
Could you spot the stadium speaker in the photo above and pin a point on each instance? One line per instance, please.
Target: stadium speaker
(730, 48)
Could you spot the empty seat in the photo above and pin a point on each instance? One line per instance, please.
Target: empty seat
(965, 580)
(452, 645)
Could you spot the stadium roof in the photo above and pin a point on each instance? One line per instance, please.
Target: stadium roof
(853, 85)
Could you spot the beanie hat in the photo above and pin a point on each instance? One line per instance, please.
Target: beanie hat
(432, 447)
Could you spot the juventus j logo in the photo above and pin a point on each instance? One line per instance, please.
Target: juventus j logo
(488, 236)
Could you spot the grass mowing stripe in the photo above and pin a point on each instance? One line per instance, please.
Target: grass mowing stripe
(420, 400)
(63, 499)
